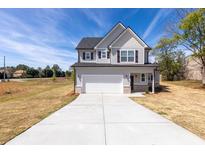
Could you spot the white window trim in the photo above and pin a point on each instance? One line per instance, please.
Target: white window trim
(127, 55)
(141, 78)
(88, 59)
(104, 51)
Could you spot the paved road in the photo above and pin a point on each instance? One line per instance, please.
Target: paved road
(105, 119)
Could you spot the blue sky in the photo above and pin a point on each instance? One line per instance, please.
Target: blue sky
(40, 37)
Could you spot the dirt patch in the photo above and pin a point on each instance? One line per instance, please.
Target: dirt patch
(30, 102)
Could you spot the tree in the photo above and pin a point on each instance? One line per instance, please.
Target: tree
(57, 70)
(41, 73)
(47, 71)
(191, 36)
(32, 73)
(73, 74)
(54, 74)
(169, 58)
(22, 67)
(67, 74)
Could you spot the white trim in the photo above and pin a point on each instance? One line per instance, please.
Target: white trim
(105, 51)
(88, 52)
(127, 48)
(145, 45)
(145, 81)
(127, 62)
(136, 37)
(102, 75)
(109, 33)
(153, 82)
(100, 48)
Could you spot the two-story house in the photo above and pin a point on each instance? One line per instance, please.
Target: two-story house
(115, 63)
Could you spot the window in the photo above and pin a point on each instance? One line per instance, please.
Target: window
(99, 54)
(87, 56)
(150, 77)
(143, 77)
(104, 54)
(127, 55)
(130, 56)
(123, 56)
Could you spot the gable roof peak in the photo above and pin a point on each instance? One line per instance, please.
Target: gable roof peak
(111, 30)
(120, 23)
(134, 34)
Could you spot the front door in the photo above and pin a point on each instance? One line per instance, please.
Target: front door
(132, 82)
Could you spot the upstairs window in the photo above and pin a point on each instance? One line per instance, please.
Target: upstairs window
(130, 56)
(87, 55)
(127, 56)
(104, 54)
(123, 56)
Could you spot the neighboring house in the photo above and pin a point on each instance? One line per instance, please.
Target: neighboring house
(19, 74)
(193, 69)
(8, 73)
(115, 63)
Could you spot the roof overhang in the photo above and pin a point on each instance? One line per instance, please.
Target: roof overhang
(112, 65)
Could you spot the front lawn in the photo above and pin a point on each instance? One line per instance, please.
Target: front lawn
(183, 102)
(23, 104)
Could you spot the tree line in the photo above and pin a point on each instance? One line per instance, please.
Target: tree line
(187, 34)
(31, 72)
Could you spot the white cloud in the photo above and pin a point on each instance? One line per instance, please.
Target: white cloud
(38, 42)
(161, 14)
(97, 16)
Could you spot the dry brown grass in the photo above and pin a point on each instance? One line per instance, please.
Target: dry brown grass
(28, 102)
(180, 102)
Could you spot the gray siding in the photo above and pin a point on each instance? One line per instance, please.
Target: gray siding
(125, 41)
(80, 52)
(102, 60)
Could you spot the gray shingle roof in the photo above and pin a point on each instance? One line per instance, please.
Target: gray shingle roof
(88, 42)
(113, 65)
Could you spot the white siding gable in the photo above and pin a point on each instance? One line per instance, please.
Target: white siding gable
(127, 41)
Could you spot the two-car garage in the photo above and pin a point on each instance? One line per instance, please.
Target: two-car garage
(102, 84)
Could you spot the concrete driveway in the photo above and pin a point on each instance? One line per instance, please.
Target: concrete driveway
(105, 119)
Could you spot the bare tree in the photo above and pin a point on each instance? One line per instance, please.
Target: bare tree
(188, 30)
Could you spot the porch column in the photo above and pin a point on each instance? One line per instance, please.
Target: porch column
(153, 82)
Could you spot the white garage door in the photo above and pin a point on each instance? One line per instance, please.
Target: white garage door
(103, 83)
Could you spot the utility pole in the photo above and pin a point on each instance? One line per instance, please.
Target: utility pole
(4, 68)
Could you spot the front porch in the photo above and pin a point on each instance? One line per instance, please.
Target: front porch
(142, 82)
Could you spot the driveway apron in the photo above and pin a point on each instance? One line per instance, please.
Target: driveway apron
(105, 119)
